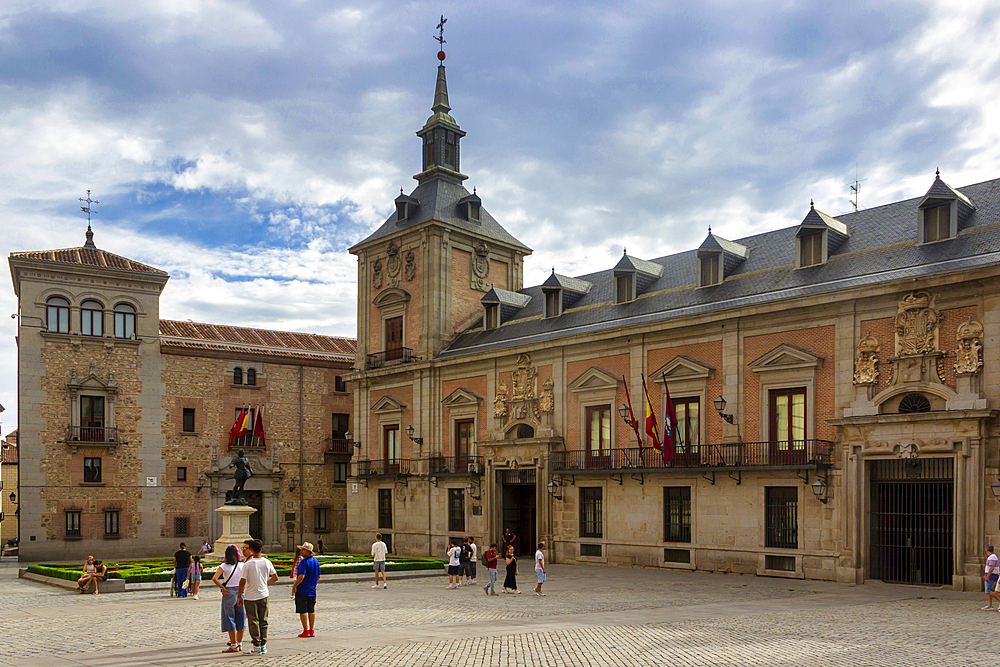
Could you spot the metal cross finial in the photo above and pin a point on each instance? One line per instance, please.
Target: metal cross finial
(86, 209)
(440, 26)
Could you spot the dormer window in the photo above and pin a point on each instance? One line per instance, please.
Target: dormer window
(811, 249)
(471, 207)
(942, 212)
(633, 276)
(401, 211)
(491, 318)
(818, 237)
(553, 303)
(718, 258)
(625, 288)
(937, 223)
(405, 207)
(708, 267)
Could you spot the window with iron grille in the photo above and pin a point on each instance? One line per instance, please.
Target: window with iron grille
(385, 508)
(111, 523)
(339, 473)
(456, 510)
(92, 469)
(188, 423)
(677, 514)
(73, 523)
(591, 511)
(319, 518)
(182, 526)
(781, 517)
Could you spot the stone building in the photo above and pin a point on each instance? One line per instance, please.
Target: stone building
(8, 488)
(835, 384)
(126, 417)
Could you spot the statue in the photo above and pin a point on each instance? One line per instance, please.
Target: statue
(242, 474)
(866, 361)
(500, 402)
(968, 356)
(377, 274)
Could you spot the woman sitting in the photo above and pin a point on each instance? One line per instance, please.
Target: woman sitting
(89, 569)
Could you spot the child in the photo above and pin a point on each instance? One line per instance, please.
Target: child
(196, 570)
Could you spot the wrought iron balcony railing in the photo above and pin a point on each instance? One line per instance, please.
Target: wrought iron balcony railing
(383, 467)
(398, 355)
(795, 453)
(456, 465)
(338, 446)
(93, 434)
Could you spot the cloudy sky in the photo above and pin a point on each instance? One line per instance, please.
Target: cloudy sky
(243, 145)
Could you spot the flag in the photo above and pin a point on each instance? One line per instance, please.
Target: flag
(670, 435)
(244, 424)
(651, 429)
(635, 424)
(258, 428)
(234, 432)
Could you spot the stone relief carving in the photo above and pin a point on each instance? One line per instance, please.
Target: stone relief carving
(907, 449)
(500, 402)
(481, 267)
(917, 324)
(392, 265)
(377, 274)
(410, 270)
(524, 378)
(968, 355)
(866, 361)
(546, 403)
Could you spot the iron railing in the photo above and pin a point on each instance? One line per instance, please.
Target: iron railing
(456, 465)
(728, 455)
(383, 467)
(397, 355)
(338, 446)
(93, 434)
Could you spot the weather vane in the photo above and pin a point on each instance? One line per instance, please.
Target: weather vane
(440, 38)
(86, 209)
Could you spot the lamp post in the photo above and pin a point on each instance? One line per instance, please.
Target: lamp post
(995, 488)
(470, 488)
(819, 489)
(553, 488)
(409, 434)
(720, 405)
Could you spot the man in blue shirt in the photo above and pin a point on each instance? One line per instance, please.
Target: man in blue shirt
(304, 589)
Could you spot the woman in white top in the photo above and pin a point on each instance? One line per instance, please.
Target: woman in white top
(227, 578)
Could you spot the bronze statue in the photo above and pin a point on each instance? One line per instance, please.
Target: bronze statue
(242, 474)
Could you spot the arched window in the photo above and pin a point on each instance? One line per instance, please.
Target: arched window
(237, 375)
(91, 318)
(912, 403)
(525, 431)
(124, 321)
(251, 376)
(57, 315)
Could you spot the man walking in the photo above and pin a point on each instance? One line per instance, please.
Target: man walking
(540, 569)
(258, 574)
(463, 561)
(304, 589)
(490, 561)
(182, 565)
(379, 550)
(470, 571)
(990, 578)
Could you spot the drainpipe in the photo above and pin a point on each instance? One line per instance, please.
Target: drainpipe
(302, 478)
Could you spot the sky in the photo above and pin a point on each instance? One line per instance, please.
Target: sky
(243, 146)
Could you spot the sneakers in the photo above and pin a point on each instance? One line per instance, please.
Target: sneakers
(541, 595)
(486, 589)
(263, 649)
(375, 586)
(195, 597)
(256, 650)
(385, 585)
(988, 608)
(304, 633)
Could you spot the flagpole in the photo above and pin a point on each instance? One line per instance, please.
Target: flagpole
(635, 424)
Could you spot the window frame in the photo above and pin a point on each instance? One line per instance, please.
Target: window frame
(385, 509)
(813, 243)
(710, 269)
(553, 303)
(320, 519)
(781, 505)
(682, 405)
(603, 450)
(456, 510)
(60, 313)
(677, 505)
(90, 316)
(339, 472)
(73, 523)
(92, 470)
(188, 425)
(182, 526)
(339, 384)
(464, 454)
(393, 347)
(939, 221)
(125, 321)
(112, 523)
(251, 377)
(491, 316)
(591, 512)
(391, 445)
(625, 288)
(182, 473)
(238, 375)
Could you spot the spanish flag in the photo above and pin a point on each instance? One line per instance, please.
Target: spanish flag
(241, 423)
(651, 429)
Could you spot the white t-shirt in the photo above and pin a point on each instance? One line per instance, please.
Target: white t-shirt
(993, 560)
(453, 555)
(233, 580)
(379, 550)
(539, 560)
(256, 572)
(472, 556)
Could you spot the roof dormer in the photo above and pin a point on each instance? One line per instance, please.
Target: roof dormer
(499, 305)
(562, 292)
(470, 207)
(717, 259)
(406, 207)
(942, 212)
(817, 237)
(633, 276)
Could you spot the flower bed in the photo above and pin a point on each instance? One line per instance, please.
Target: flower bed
(160, 569)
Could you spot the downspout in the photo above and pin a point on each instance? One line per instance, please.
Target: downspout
(302, 479)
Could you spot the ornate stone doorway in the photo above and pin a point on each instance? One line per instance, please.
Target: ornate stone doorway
(519, 507)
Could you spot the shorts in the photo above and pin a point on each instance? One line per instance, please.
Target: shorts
(463, 568)
(470, 568)
(541, 576)
(196, 578)
(305, 604)
(454, 569)
(378, 565)
(991, 583)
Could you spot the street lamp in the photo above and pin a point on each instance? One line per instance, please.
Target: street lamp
(720, 405)
(469, 488)
(995, 488)
(409, 434)
(820, 488)
(553, 487)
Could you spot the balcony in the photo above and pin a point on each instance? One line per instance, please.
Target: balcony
(731, 456)
(384, 468)
(397, 355)
(338, 446)
(95, 434)
(456, 465)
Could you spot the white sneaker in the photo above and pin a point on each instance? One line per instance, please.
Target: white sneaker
(375, 586)
(385, 585)
(195, 597)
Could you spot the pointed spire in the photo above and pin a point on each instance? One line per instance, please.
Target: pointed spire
(441, 93)
(812, 205)
(937, 173)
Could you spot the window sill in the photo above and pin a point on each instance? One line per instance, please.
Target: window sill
(194, 433)
(93, 483)
(73, 538)
(322, 531)
(112, 537)
(245, 386)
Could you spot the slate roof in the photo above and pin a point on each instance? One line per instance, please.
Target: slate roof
(88, 257)
(882, 247)
(557, 280)
(196, 336)
(628, 263)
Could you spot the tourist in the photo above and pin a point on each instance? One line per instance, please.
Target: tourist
(540, 569)
(295, 569)
(510, 581)
(470, 567)
(257, 575)
(319, 545)
(227, 578)
(990, 577)
(508, 540)
(463, 561)
(454, 567)
(182, 563)
(304, 589)
(88, 574)
(379, 551)
(206, 548)
(195, 575)
(490, 561)
(100, 574)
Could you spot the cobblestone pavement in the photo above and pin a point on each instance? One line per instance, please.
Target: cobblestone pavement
(591, 616)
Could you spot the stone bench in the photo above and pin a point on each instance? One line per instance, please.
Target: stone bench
(109, 586)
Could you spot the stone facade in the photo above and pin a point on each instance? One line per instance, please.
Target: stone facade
(8, 485)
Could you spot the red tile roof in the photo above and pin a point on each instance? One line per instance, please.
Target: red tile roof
(88, 257)
(199, 336)
(9, 453)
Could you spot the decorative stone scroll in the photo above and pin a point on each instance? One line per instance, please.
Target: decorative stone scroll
(968, 355)
(866, 361)
(917, 324)
(377, 274)
(481, 267)
(410, 269)
(393, 264)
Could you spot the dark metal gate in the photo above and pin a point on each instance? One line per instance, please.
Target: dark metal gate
(912, 511)
(255, 499)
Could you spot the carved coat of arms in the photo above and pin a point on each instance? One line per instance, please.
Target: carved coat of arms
(866, 361)
(377, 274)
(393, 264)
(968, 356)
(524, 379)
(410, 269)
(481, 267)
(916, 325)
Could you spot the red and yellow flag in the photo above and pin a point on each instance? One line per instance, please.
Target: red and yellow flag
(651, 429)
(234, 432)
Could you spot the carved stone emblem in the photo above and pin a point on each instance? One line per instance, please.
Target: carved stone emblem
(410, 269)
(524, 379)
(546, 402)
(968, 356)
(377, 274)
(481, 267)
(500, 402)
(917, 325)
(866, 361)
(393, 265)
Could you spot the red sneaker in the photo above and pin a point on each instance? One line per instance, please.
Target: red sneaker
(304, 633)
(312, 633)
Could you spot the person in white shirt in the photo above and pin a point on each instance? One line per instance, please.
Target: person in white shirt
(470, 568)
(257, 575)
(540, 569)
(227, 578)
(454, 565)
(990, 577)
(379, 550)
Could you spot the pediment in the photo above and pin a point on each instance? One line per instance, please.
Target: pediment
(390, 297)
(682, 368)
(461, 398)
(387, 405)
(594, 379)
(785, 357)
(93, 382)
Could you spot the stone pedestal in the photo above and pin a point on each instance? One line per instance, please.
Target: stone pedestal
(235, 526)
